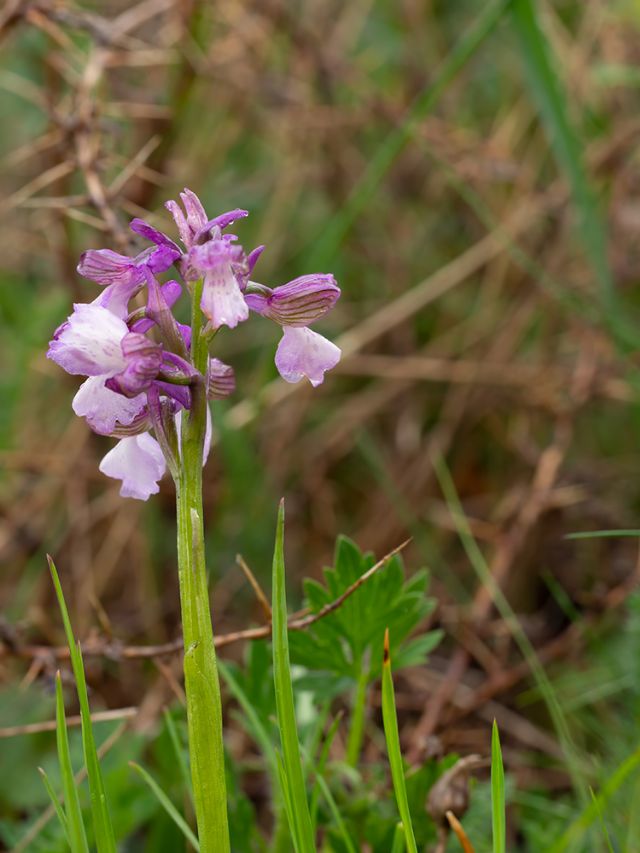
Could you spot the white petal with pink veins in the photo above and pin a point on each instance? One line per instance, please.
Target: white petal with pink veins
(89, 342)
(104, 408)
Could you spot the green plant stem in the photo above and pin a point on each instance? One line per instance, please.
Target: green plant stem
(356, 729)
(202, 687)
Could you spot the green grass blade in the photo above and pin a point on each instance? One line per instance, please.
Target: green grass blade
(167, 805)
(301, 828)
(598, 802)
(75, 824)
(603, 534)
(398, 839)
(57, 805)
(179, 753)
(605, 832)
(257, 728)
(479, 565)
(549, 93)
(103, 828)
(497, 793)
(335, 813)
(321, 764)
(390, 720)
(465, 47)
(286, 797)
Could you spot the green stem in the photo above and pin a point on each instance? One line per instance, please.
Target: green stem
(356, 730)
(202, 687)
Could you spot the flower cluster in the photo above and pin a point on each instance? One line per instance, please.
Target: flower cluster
(141, 374)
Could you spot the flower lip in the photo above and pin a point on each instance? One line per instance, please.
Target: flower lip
(303, 352)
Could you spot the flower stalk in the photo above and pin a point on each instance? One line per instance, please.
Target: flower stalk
(202, 686)
(148, 379)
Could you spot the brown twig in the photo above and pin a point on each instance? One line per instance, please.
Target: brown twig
(114, 650)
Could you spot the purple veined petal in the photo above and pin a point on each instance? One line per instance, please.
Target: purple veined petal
(103, 408)
(144, 360)
(196, 215)
(253, 256)
(185, 331)
(181, 221)
(161, 258)
(207, 434)
(107, 267)
(139, 463)
(116, 298)
(257, 302)
(89, 342)
(302, 301)
(139, 226)
(302, 352)
(180, 393)
(221, 379)
(220, 222)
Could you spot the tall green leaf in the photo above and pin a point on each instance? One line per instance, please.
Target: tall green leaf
(390, 720)
(167, 805)
(103, 828)
(75, 824)
(292, 775)
(57, 805)
(497, 793)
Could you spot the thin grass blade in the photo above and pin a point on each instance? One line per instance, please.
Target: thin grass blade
(335, 813)
(390, 720)
(103, 828)
(57, 805)
(301, 829)
(167, 805)
(179, 753)
(464, 48)
(598, 803)
(75, 824)
(546, 85)
(497, 794)
(398, 839)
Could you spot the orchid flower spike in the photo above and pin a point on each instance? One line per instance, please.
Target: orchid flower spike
(142, 372)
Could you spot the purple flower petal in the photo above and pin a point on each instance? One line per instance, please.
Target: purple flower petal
(302, 352)
(222, 300)
(144, 360)
(103, 408)
(219, 222)
(107, 267)
(139, 463)
(139, 226)
(196, 215)
(116, 298)
(302, 301)
(252, 257)
(89, 342)
(221, 380)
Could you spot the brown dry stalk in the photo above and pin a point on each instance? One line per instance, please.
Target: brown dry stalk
(115, 651)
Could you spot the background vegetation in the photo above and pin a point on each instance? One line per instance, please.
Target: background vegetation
(469, 172)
